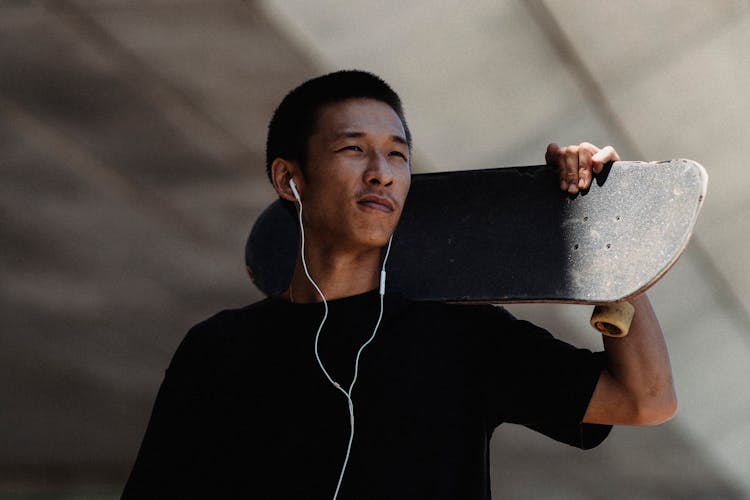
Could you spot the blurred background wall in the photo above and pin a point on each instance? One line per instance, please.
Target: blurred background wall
(131, 170)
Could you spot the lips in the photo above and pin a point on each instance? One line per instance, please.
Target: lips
(377, 202)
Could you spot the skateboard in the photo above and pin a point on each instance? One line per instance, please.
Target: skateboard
(509, 235)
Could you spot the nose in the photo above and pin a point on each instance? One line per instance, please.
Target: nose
(379, 170)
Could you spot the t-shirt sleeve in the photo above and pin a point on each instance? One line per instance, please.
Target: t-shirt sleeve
(171, 448)
(539, 381)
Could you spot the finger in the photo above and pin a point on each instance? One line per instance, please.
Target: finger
(604, 156)
(553, 151)
(584, 165)
(555, 158)
(571, 169)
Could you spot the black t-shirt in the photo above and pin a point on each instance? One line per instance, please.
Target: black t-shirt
(246, 412)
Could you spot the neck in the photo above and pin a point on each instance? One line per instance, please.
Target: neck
(337, 274)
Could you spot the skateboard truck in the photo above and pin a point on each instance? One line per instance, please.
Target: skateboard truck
(613, 320)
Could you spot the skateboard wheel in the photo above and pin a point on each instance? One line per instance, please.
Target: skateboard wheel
(613, 320)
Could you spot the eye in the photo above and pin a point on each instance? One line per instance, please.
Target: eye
(351, 147)
(399, 154)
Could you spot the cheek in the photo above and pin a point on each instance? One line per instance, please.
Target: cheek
(405, 185)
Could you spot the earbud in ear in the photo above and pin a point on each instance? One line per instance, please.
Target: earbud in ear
(294, 189)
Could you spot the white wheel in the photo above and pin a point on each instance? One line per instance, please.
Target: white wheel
(613, 320)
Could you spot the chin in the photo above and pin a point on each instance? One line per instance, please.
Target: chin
(376, 243)
(371, 235)
(377, 240)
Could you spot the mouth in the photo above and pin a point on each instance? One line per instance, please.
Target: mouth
(377, 202)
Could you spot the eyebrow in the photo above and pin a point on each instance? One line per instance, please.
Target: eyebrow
(354, 135)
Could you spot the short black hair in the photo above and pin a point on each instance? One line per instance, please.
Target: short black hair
(295, 119)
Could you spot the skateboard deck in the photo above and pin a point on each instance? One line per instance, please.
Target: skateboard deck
(507, 235)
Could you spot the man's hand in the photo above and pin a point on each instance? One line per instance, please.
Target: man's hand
(576, 163)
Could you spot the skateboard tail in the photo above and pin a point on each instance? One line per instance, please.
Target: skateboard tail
(640, 247)
(690, 167)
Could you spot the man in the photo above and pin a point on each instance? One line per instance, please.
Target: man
(336, 390)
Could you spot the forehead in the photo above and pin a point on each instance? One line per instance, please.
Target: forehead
(367, 116)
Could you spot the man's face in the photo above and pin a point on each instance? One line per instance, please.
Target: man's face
(357, 175)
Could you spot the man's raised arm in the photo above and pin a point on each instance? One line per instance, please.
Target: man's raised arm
(636, 386)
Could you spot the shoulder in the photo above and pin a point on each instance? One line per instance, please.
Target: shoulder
(230, 321)
(487, 325)
(221, 332)
(456, 323)
(468, 314)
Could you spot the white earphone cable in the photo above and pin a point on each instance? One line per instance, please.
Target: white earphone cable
(356, 370)
(347, 394)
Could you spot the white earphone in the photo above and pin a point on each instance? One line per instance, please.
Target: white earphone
(347, 394)
(294, 190)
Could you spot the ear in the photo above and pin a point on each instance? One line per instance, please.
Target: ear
(282, 171)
